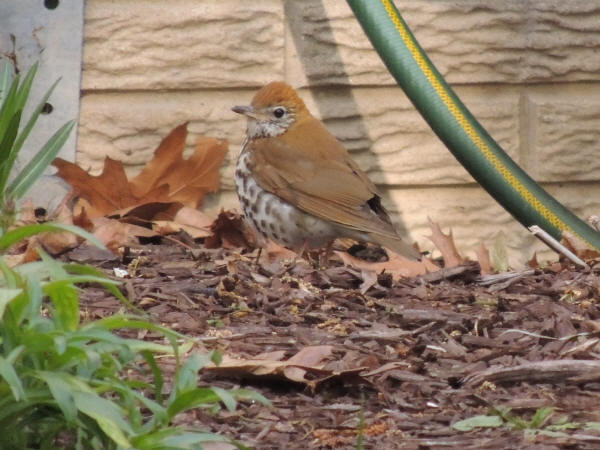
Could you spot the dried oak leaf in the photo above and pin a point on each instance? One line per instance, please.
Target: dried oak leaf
(445, 244)
(306, 366)
(483, 256)
(581, 248)
(167, 178)
(396, 265)
(533, 262)
(114, 233)
(105, 193)
(229, 230)
(54, 243)
(194, 222)
(188, 179)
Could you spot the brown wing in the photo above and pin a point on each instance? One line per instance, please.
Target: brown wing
(311, 169)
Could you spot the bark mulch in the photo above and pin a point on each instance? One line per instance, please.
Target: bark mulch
(396, 363)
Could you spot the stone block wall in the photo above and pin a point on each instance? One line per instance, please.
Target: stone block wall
(528, 70)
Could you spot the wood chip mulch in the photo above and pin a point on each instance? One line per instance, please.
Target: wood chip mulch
(404, 361)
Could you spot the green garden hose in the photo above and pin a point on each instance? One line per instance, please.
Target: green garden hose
(454, 124)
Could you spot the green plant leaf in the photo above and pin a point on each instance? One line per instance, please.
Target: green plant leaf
(192, 399)
(592, 426)
(13, 236)
(36, 166)
(6, 296)
(65, 299)
(7, 371)
(540, 417)
(479, 421)
(187, 378)
(247, 394)
(226, 397)
(188, 438)
(108, 284)
(108, 416)
(62, 393)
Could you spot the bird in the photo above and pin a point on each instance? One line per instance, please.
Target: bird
(297, 183)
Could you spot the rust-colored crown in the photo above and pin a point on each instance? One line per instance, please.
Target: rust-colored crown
(278, 93)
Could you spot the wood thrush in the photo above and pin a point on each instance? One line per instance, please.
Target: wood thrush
(297, 183)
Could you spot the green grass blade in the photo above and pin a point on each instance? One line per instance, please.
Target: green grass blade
(6, 144)
(34, 169)
(156, 374)
(18, 234)
(18, 102)
(25, 86)
(6, 77)
(9, 105)
(24, 134)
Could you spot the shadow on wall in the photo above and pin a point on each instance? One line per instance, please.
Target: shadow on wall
(295, 18)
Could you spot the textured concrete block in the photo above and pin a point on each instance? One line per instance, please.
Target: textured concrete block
(470, 41)
(180, 44)
(471, 214)
(129, 126)
(393, 143)
(567, 134)
(475, 217)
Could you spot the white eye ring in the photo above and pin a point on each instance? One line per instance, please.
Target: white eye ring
(279, 112)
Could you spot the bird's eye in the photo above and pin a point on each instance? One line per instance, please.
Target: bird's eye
(278, 112)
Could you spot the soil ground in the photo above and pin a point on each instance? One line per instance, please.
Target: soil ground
(401, 362)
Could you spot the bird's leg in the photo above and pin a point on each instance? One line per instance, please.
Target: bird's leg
(325, 255)
(256, 261)
(303, 250)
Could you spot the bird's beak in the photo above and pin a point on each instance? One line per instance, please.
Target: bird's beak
(245, 110)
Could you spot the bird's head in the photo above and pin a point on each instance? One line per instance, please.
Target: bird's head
(274, 110)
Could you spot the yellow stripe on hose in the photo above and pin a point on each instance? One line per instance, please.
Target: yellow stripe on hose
(468, 128)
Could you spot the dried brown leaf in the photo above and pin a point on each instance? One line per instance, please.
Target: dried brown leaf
(168, 178)
(445, 244)
(533, 262)
(105, 193)
(272, 251)
(581, 248)
(306, 366)
(114, 233)
(188, 180)
(194, 222)
(397, 265)
(483, 256)
(229, 230)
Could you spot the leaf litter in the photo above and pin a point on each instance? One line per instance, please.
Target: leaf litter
(378, 351)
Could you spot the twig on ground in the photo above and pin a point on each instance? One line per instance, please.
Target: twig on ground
(562, 370)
